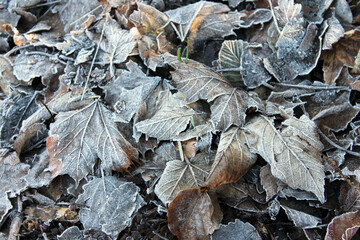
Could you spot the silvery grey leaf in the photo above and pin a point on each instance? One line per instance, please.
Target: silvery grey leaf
(288, 151)
(314, 9)
(233, 3)
(111, 204)
(333, 34)
(12, 173)
(129, 91)
(301, 219)
(230, 109)
(179, 175)
(237, 230)
(20, 105)
(27, 67)
(343, 11)
(259, 16)
(78, 138)
(230, 60)
(71, 233)
(167, 123)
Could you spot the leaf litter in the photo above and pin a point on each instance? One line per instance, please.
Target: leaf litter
(111, 130)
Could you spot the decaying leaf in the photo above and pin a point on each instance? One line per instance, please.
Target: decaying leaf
(334, 32)
(233, 159)
(190, 215)
(292, 152)
(71, 233)
(343, 226)
(271, 184)
(237, 230)
(111, 204)
(300, 218)
(12, 173)
(78, 138)
(343, 53)
(314, 9)
(6, 75)
(259, 16)
(179, 175)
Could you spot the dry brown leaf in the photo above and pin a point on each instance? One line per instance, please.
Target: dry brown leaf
(233, 159)
(343, 227)
(343, 53)
(189, 147)
(190, 215)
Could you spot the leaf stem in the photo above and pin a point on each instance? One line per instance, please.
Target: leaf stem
(187, 52)
(179, 54)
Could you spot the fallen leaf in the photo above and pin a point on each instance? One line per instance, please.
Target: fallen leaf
(343, 53)
(179, 175)
(31, 138)
(237, 230)
(167, 123)
(259, 16)
(189, 147)
(117, 44)
(343, 226)
(28, 66)
(190, 215)
(6, 75)
(300, 218)
(78, 138)
(19, 106)
(314, 9)
(127, 95)
(288, 152)
(271, 184)
(111, 204)
(12, 173)
(71, 233)
(334, 32)
(232, 160)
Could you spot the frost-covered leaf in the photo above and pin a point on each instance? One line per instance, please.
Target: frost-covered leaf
(12, 172)
(334, 32)
(330, 110)
(287, 11)
(233, 159)
(314, 9)
(343, 53)
(230, 60)
(20, 105)
(28, 67)
(71, 233)
(230, 109)
(129, 91)
(179, 175)
(117, 44)
(149, 20)
(78, 138)
(241, 63)
(259, 16)
(343, 226)
(167, 123)
(111, 204)
(202, 133)
(203, 21)
(271, 184)
(237, 230)
(288, 152)
(233, 3)
(190, 215)
(71, 12)
(196, 80)
(300, 218)
(6, 75)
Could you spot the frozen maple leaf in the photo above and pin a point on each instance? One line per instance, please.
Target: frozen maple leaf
(233, 159)
(342, 54)
(78, 138)
(111, 204)
(292, 152)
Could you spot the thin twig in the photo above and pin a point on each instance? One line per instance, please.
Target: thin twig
(22, 47)
(52, 116)
(273, 14)
(180, 151)
(93, 61)
(341, 88)
(338, 146)
(43, 4)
